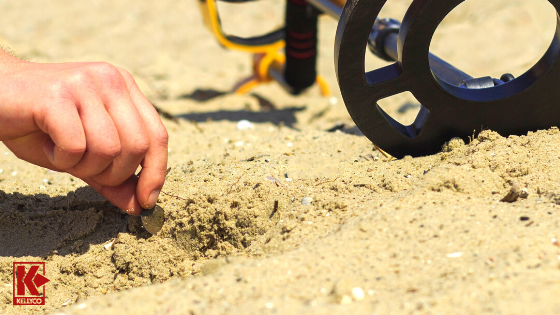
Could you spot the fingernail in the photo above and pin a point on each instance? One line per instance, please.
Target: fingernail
(152, 200)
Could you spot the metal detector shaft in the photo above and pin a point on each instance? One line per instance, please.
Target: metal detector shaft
(441, 68)
(327, 7)
(383, 41)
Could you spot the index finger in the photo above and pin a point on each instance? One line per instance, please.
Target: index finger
(154, 165)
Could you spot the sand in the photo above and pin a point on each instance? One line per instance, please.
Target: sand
(286, 218)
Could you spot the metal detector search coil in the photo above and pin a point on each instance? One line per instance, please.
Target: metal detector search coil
(453, 103)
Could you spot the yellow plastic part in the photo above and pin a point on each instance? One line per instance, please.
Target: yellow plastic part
(210, 14)
(272, 58)
(203, 6)
(267, 61)
(263, 62)
(247, 86)
(323, 85)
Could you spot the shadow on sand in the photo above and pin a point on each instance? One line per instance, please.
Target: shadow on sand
(38, 225)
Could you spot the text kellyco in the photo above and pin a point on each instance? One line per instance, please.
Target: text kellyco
(29, 278)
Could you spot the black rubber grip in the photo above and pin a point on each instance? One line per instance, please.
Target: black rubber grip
(301, 45)
(267, 39)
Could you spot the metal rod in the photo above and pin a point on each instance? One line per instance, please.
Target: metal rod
(441, 68)
(327, 7)
(276, 73)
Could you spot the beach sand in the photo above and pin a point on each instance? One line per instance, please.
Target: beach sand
(286, 218)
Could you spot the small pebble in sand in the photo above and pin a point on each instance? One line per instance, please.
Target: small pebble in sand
(1, 171)
(306, 201)
(333, 100)
(524, 218)
(245, 125)
(289, 144)
(455, 255)
(555, 242)
(514, 193)
(358, 294)
(273, 179)
(239, 143)
(269, 305)
(344, 291)
(109, 245)
(14, 173)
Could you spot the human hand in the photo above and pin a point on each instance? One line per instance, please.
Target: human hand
(87, 119)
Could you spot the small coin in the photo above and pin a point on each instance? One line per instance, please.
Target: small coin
(153, 219)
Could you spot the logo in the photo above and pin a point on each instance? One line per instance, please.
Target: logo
(29, 277)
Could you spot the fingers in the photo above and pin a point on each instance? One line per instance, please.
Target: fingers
(143, 139)
(154, 164)
(122, 196)
(102, 138)
(133, 135)
(67, 143)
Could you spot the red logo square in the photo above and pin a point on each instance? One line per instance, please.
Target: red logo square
(29, 277)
